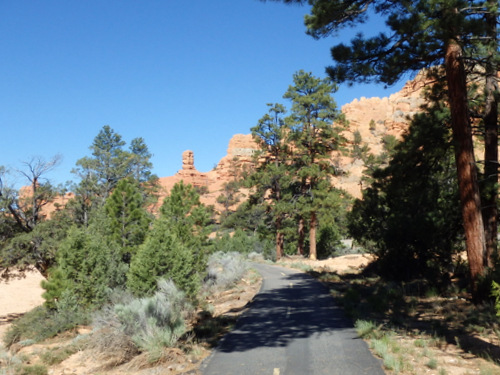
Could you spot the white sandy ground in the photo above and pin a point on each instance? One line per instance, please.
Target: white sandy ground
(19, 296)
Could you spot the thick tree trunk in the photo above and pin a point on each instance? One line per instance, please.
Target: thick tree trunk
(465, 162)
(301, 235)
(490, 196)
(312, 237)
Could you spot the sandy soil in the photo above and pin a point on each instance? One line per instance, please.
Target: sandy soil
(351, 263)
(18, 296)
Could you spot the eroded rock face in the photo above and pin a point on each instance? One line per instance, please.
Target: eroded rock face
(240, 153)
(373, 118)
(188, 160)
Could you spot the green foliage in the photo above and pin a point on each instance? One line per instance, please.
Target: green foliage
(272, 179)
(367, 329)
(32, 370)
(42, 323)
(250, 215)
(38, 247)
(328, 241)
(27, 238)
(359, 149)
(55, 356)
(87, 267)
(128, 220)
(415, 39)
(99, 174)
(187, 217)
(176, 247)
(163, 255)
(242, 242)
(291, 182)
(155, 322)
(228, 197)
(410, 215)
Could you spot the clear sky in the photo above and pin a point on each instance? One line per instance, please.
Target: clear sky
(182, 74)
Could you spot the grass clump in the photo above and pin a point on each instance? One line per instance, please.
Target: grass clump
(366, 329)
(432, 363)
(393, 363)
(57, 355)
(302, 267)
(32, 370)
(42, 323)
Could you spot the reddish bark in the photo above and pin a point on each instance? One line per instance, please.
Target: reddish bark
(300, 240)
(465, 162)
(279, 239)
(312, 237)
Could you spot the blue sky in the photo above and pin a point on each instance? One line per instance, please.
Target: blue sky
(182, 74)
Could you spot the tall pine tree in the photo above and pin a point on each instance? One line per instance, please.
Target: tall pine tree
(273, 177)
(314, 137)
(425, 34)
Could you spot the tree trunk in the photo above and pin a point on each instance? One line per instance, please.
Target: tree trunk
(312, 237)
(465, 163)
(490, 196)
(300, 240)
(279, 239)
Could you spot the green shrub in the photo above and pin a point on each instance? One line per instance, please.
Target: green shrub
(32, 370)
(88, 267)
(55, 356)
(495, 293)
(366, 329)
(42, 323)
(432, 363)
(328, 242)
(163, 255)
(242, 242)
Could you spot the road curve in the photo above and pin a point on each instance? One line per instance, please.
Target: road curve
(293, 327)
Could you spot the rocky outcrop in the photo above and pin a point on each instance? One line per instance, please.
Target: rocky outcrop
(371, 117)
(210, 184)
(374, 118)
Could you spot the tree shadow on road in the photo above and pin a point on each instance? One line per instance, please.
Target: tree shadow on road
(300, 309)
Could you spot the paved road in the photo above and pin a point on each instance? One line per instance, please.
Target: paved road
(293, 327)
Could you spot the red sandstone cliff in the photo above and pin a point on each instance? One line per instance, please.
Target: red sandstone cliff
(372, 117)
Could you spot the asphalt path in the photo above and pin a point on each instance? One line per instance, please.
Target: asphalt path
(293, 327)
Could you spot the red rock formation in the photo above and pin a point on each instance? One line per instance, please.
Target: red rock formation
(239, 156)
(371, 117)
